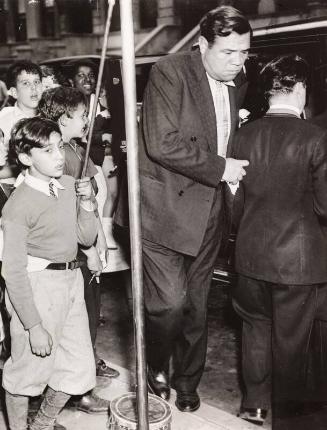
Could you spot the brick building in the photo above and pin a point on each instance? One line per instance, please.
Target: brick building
(42, 29)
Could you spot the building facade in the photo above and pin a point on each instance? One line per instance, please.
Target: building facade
(45, 29)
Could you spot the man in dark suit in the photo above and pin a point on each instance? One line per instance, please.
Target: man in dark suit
(281, 246)
(190, 112)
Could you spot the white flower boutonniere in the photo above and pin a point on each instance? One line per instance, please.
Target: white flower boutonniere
(243, 115)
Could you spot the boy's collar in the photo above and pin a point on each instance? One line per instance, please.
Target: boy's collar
(42, 186)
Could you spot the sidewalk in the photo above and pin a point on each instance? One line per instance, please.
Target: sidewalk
(206, 418)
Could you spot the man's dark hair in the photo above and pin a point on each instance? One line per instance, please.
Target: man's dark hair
(30, 133)
(17, 68)
(282, 73)
(59, 101)
(222, 21)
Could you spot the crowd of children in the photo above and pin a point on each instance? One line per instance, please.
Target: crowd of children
(54, 243)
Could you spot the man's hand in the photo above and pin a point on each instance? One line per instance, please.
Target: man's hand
(40, 340)
(83, 188)
(234, 170)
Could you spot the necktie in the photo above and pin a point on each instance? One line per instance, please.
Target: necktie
(51, 190)
(222, 119)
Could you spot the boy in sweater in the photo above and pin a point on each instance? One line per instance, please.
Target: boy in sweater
(51, 345)
(68, 107)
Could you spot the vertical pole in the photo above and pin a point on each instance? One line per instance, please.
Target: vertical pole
(129, 86)
(111, 4)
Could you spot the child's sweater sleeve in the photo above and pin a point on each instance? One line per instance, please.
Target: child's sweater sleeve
(87, 226)
(14, 271)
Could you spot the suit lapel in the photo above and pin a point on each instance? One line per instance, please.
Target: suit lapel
(200, 88)
(236, 96)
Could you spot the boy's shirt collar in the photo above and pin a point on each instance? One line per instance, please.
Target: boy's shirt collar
(43, 186)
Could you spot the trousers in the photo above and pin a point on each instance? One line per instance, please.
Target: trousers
(278, 323)
(176, 288)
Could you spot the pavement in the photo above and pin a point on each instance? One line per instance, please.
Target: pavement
(218, 390)
(205, 418)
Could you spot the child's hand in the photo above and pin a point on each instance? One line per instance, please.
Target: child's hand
(83, 188)
(40, 341)
(93, 261)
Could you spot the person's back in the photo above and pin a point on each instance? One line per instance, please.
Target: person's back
(281, 246)
(281, 235)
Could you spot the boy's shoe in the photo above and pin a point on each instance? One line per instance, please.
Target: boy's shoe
(103, 370)
(253, 415)
(92, 404)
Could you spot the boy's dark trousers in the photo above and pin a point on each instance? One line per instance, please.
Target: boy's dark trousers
(92, 299)
(277, 328)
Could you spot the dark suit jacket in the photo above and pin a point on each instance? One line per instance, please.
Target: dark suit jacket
(320, 120)
(179, 166)
(281, 236)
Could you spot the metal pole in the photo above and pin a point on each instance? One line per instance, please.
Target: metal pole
(98, 87)
(129, 86)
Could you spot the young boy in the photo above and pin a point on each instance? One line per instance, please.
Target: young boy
(67, 106)
(51, 345)
(24, 80)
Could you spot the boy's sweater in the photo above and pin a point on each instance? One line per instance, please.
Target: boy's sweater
(41, 226)
(74, 161)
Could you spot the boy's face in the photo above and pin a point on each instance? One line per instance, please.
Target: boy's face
(85, 80)
(46, 162)
(28, 90)
(76, 126)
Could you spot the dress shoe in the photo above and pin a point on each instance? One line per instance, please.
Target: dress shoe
(92, 404)
(158, 383)
(187, 402)
(103, 370)
(253, 415)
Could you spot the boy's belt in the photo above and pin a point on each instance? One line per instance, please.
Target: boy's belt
(75, 264)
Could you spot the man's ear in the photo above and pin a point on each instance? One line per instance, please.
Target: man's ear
(13, 92)
(71, 82)
(203, 44)
(25, 159)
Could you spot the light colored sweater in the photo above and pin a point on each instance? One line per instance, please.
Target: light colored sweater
(41, 226)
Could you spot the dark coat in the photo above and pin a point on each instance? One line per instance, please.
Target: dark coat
(320, 120)
(282, 233)
(179, 166)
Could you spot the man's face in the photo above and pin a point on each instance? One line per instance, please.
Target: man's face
(46, 162)
(28, 90)
(226, 57)
(85, 80)
(77, 124)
